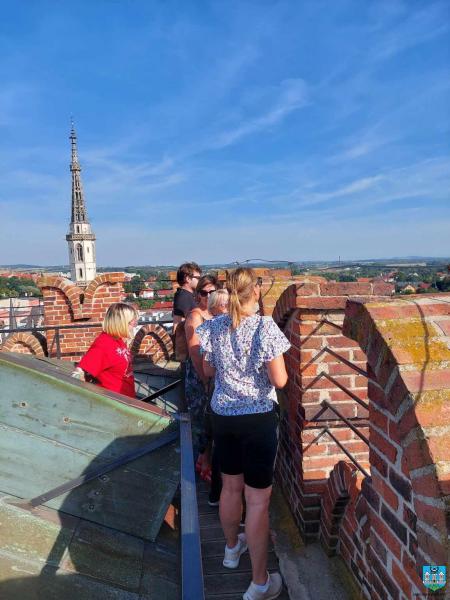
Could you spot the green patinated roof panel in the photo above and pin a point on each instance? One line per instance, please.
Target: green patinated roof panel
(54, 428)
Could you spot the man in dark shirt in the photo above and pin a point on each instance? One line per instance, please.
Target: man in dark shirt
(184, 299)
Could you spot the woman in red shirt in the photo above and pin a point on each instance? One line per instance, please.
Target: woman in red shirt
(108, 360)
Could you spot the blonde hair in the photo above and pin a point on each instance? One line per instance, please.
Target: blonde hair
(217, 299)
(240, 285)
(117, 319)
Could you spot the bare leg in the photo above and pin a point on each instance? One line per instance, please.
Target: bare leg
(257, 530)
(230, 509)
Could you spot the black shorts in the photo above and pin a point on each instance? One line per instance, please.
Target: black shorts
(247, 444)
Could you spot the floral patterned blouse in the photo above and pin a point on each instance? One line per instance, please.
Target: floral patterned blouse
(242, 384)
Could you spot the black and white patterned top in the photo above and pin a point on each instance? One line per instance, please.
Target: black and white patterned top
(242, 384)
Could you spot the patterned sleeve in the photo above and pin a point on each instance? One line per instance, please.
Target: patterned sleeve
(273, 340)
(204, 333)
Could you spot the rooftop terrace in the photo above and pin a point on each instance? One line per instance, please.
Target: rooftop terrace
(363, 464)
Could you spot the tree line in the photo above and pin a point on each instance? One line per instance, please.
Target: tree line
(18, 287)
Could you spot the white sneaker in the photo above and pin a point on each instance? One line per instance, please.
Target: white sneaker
(232, 557)
(273, 590)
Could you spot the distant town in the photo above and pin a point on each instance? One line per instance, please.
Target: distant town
(150, 288)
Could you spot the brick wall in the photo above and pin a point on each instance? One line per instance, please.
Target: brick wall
(389, 522)
(311, 312)
(67, 304)
(26, 343)
(405, 501)
(152, 342)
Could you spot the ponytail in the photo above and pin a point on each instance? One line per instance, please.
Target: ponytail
(234, 308)
(240, 285)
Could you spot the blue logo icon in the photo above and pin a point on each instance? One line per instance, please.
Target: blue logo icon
(434, 577)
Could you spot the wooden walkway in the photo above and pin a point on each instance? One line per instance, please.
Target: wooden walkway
(222, 583)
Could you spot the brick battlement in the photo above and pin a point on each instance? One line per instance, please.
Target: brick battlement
(66, 304)
(407, 343)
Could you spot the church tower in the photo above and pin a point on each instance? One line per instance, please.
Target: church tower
(80, 238)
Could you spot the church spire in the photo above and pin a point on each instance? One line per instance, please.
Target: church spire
(81, 239)
(79, 213)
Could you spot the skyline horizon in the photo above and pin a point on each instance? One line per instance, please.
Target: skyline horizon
(255, 262)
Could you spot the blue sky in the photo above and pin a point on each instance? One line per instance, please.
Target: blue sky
(222, 131)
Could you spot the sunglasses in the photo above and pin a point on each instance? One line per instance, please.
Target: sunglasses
(259, 281)
(204, 293)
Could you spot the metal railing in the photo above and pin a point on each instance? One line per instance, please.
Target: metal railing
(56, 341)
(192, 582)
(28, 312)
(192, 586)
(154, 395)
(191, 552)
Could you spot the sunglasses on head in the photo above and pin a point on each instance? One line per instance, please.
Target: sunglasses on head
(204, 293)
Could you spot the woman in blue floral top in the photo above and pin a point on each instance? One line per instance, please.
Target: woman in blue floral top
(244, 352)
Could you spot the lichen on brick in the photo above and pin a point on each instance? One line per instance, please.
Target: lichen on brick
(417, 340)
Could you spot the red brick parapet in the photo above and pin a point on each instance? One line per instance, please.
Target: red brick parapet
(311, 313)
(152, 342)
(67, 304)
(83, 302)
(407, 343)
(317, 293)
(25, 343)
(341, 495)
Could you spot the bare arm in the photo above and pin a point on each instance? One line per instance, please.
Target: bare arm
(208, 369)
(276, 370)
(193, 320)
(176, 320)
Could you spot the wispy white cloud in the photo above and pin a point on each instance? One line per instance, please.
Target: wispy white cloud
(134, 185)
(196, 120)
(390, 188)
(418, 28)
(362, 143)
(292, 95)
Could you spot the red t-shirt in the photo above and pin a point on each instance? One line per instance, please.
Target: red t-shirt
(109, 361)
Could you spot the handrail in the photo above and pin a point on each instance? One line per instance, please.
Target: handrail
(84, 325)
(58, 328)
(191, 553)
(161, 391)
